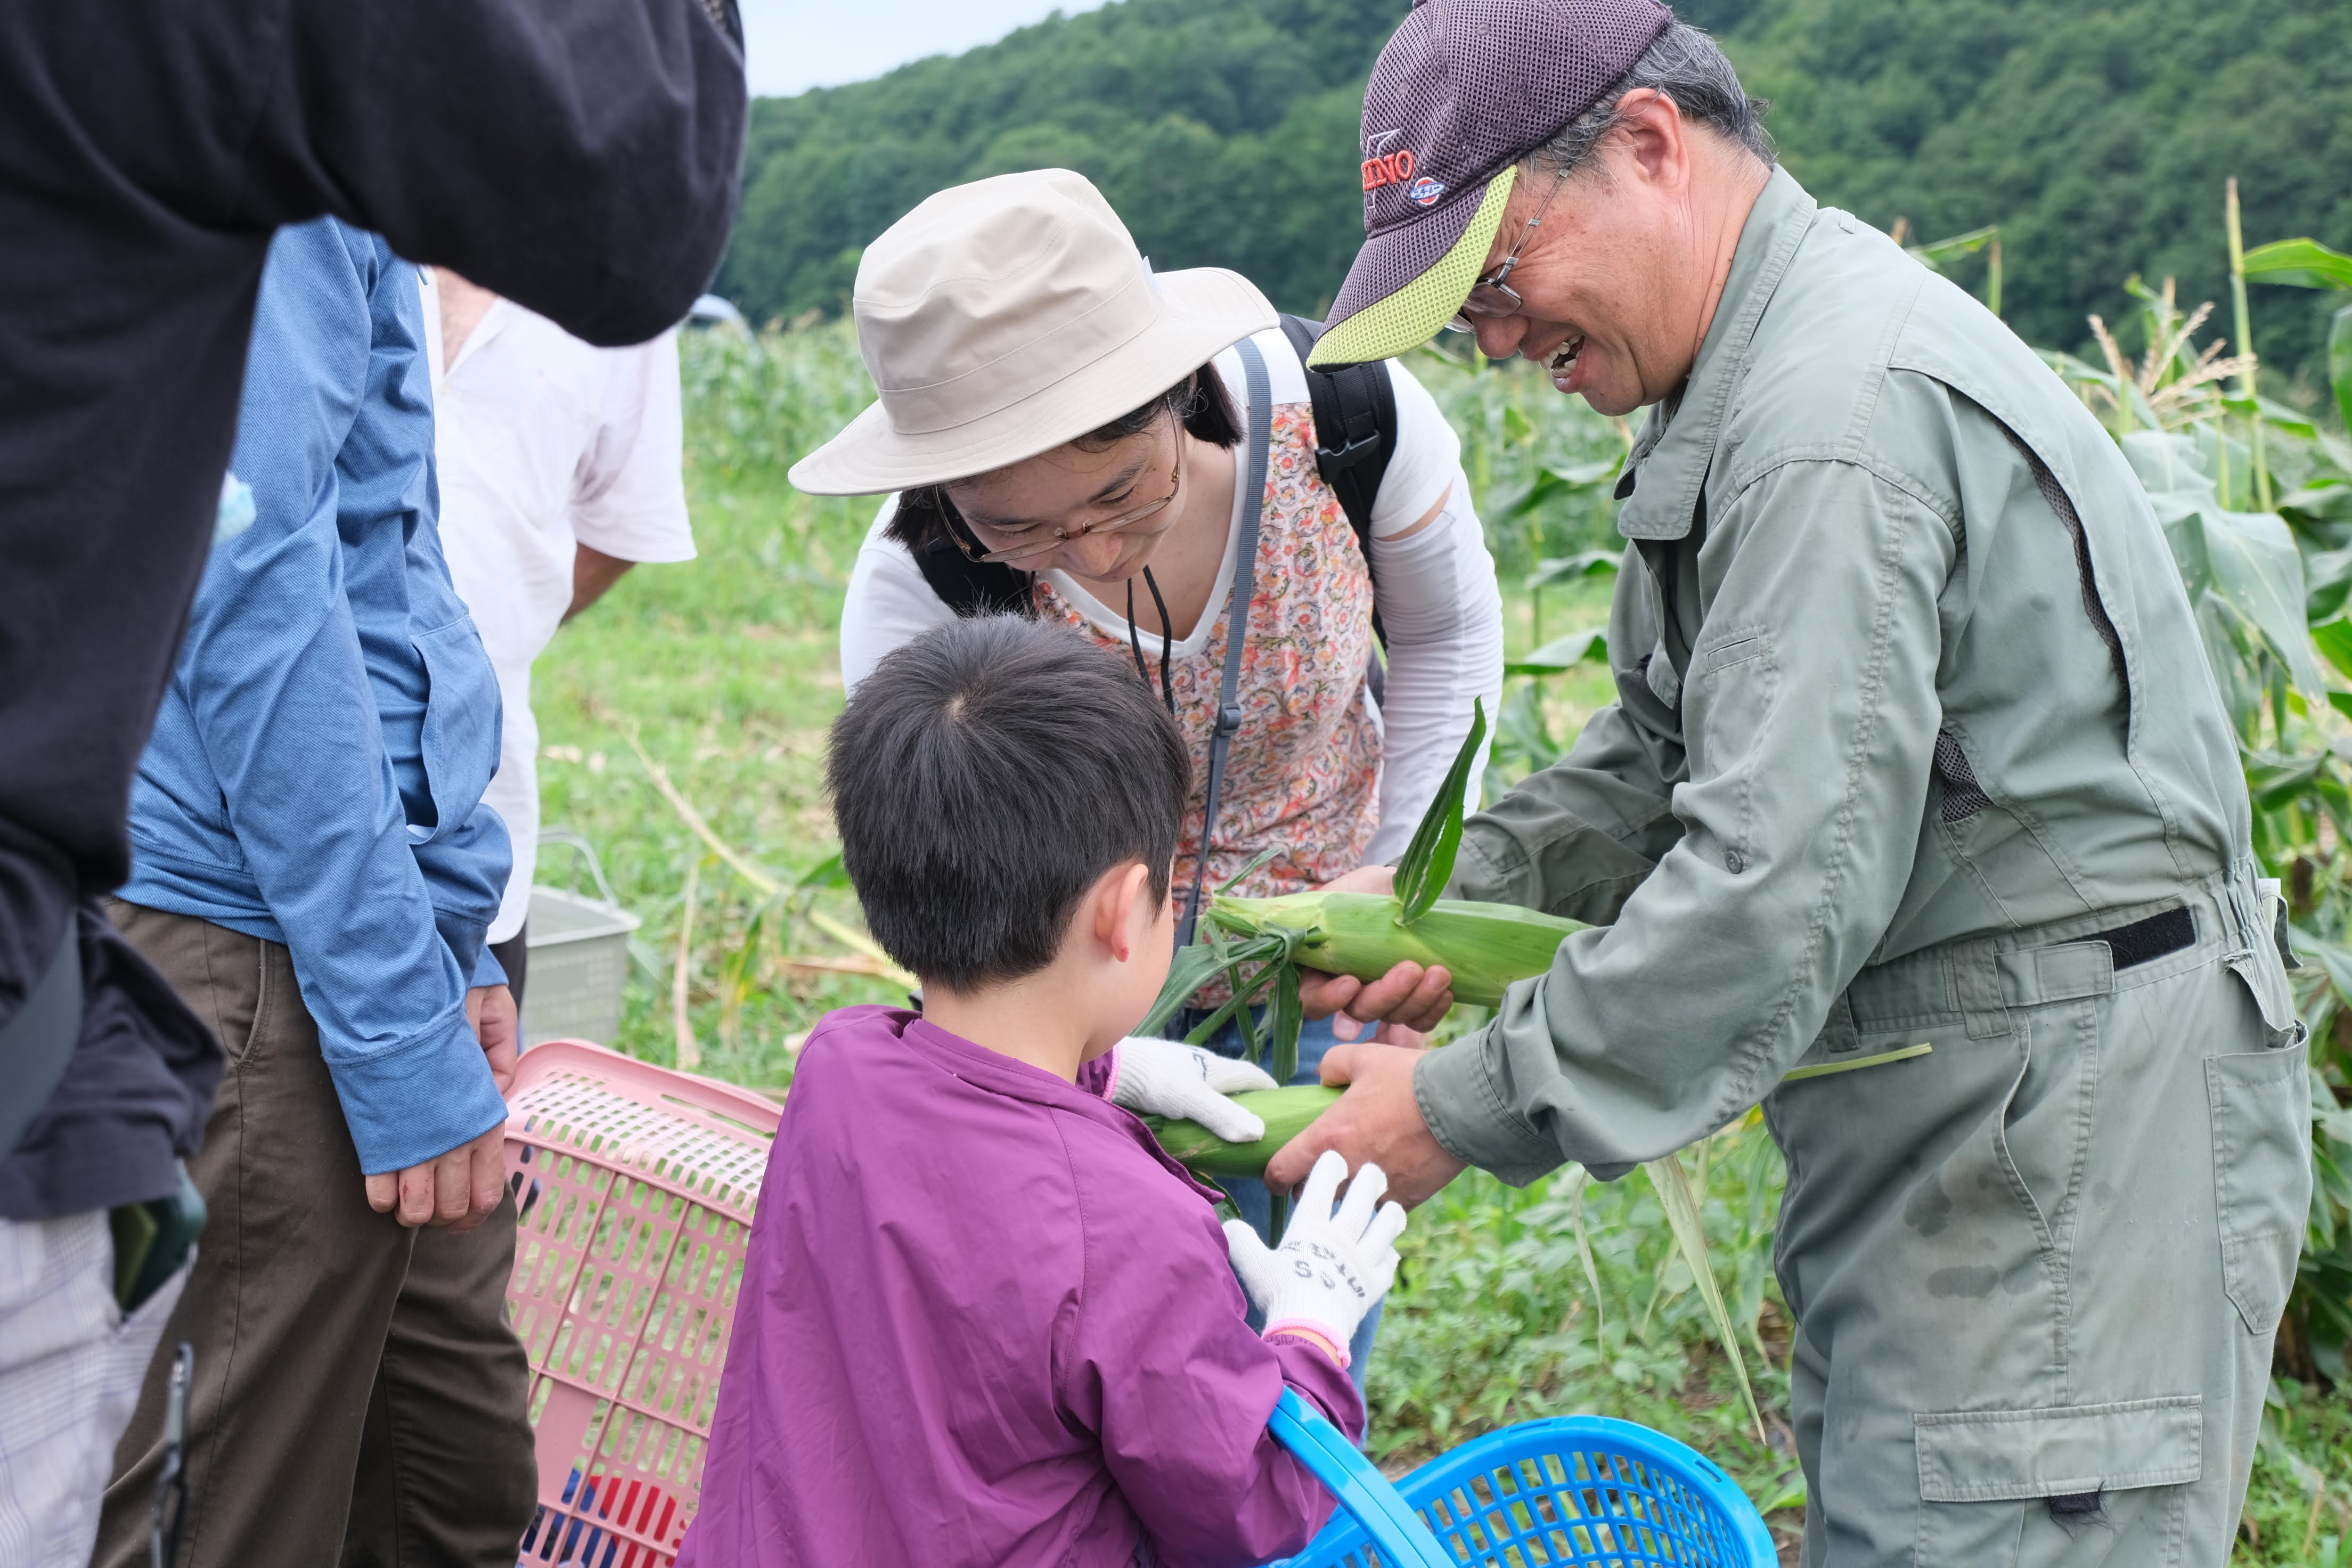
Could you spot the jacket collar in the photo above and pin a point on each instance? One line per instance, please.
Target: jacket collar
(1670, 461)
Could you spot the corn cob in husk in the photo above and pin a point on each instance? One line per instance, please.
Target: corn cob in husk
(1485, 947)
(1285, 1112)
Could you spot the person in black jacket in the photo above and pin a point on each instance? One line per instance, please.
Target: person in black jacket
(580, 157)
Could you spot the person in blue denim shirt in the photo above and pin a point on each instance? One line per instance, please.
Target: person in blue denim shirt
(314, 871)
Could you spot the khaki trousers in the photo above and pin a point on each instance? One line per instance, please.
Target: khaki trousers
(2036, 1272)
(353, 1378)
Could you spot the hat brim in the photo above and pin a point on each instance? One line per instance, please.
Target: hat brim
(1205, 311)
(1395, 299)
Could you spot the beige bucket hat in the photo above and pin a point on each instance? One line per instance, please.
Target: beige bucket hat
(1005, 318)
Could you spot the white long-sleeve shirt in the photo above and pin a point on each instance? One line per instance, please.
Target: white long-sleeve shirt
(1437, 592)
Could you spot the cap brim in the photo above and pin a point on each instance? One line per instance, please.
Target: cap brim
(1207, 309)
(1395, 299)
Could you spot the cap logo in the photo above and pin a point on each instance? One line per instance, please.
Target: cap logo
(1425, 191)
(1390, 169)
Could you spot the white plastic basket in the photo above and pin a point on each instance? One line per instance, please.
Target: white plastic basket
(579, 956)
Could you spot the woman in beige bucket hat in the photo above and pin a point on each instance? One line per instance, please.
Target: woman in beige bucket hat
(1068, 431)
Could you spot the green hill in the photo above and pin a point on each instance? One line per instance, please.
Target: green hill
(2097, 136)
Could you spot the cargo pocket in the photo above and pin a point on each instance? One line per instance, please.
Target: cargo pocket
(1986, 1477)
(1727, 704)
(2261, 1105)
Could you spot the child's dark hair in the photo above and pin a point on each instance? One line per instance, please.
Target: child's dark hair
(983, 777)
(1199, 402)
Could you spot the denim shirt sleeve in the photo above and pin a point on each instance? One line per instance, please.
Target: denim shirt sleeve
(422, 647)
(274, 673)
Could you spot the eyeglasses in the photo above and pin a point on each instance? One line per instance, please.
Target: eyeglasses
(1031, 548)
(1491, 296)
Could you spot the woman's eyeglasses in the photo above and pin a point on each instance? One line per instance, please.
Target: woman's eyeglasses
(1491, 296)
(1043, 539)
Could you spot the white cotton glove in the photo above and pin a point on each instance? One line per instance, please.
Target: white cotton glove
(1165, 1077)
(1330, 1268)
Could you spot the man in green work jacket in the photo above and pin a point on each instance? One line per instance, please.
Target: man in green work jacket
(1917, 818)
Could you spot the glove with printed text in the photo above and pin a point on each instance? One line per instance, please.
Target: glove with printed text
(1164, 1077)
(1332, 1266)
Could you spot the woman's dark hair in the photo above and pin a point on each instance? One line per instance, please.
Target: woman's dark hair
(983, 777)
(1200, 403)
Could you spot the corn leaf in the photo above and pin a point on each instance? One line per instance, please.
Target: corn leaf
(1272, 951)
(1584, 1179)
(1428, 861)
(1573, 568)
(1230, 883)
(1253, 1052)
(2305, 263)
(2246, 561)
(1563, 654)
(1940, 252)
(1682, 1205)
(1193, 967)
(1285, 1017)
(2340, 361)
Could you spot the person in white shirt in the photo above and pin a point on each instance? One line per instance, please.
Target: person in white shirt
(560, 468)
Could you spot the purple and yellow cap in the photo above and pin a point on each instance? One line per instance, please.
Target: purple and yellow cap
(1464, 91)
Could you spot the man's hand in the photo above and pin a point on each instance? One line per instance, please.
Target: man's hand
(490, 1010)
(458, 1190)
(1376, 1119)
(1407, 1000)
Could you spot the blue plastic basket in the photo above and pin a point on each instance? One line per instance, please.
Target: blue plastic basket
(1583, 1490)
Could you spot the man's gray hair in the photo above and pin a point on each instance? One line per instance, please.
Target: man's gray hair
(1686, 66)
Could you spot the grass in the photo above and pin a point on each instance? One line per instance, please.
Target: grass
(725, 672)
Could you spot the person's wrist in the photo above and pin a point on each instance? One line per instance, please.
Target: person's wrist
(1314, 1333)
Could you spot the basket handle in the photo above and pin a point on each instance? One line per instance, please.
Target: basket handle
(1376, 1507)
(570, 840)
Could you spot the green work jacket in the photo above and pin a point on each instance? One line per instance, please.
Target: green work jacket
(1901, 658)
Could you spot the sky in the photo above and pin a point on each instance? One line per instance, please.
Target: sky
(795, 45)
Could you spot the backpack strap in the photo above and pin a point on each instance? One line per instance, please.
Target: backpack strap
(1355, 437)
(1355, 427)
(971, 587)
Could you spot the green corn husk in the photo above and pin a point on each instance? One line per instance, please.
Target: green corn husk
(1285, 1112)
(1485, 947)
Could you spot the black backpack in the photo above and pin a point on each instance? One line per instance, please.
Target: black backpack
(1355, 435)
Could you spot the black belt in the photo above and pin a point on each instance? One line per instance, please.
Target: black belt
(2144, 942)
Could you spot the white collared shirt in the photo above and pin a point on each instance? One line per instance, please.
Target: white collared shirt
(546, 442)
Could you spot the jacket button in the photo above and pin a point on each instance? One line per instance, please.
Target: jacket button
(1733, 862)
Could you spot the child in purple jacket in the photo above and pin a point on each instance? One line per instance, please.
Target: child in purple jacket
(984, 1319)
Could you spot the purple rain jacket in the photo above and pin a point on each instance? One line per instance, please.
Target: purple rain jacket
(985, 1321)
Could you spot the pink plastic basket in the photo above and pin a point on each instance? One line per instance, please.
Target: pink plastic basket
(636, 1186)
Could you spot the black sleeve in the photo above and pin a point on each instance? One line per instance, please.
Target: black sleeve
(579, 156)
